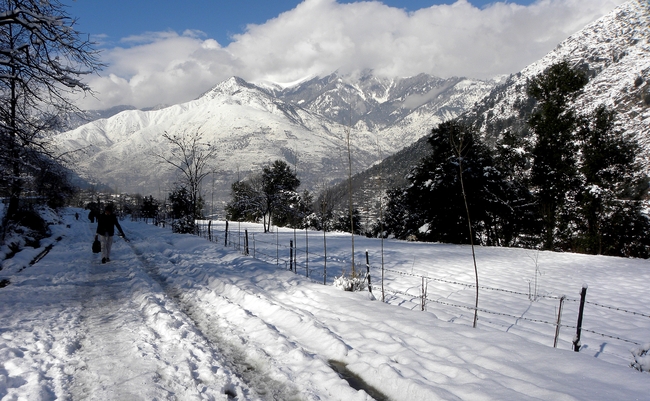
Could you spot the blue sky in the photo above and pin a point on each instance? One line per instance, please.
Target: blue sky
(218, 19)
(168, 51)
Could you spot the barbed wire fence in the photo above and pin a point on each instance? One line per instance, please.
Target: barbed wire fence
(315, 266)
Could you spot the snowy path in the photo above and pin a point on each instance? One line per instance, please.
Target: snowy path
(138, 343)
(110, 332)
(174, 317)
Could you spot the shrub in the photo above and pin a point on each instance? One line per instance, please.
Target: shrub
(641, 358)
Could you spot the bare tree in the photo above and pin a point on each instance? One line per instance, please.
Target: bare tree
(42, 60)
(350, 206)
(191, 157)
(458, 147)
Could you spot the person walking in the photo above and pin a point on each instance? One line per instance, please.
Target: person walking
(106, 223)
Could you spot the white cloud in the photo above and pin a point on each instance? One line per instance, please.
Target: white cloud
(321, 36)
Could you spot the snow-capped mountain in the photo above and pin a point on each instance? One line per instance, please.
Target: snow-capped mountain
(399, 110)
(250, 127)
(372, 102)
(451, 100)
(255, 124)
(306, 124)
(614, 51)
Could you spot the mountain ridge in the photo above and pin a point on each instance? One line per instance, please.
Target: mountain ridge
(306, 124)
(614, 51)
(253, 125)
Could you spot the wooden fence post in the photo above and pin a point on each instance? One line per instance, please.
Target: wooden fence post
(277, 247)
(246, 242)
(576, 340)
(368, 272)
(210, 230)
(559, 321)
(424, 294)
(291, 255)
(324, 257)
(225, 242)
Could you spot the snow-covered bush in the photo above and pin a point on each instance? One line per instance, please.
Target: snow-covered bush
(184, 225)
(641, 358)
(29, 227)
(351, 283)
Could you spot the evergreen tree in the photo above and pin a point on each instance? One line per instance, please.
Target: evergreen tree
(402, 214)
(609, 201)
(554, 173)
(279, 185)
(432, 207)
(247, 201)
(149, 207)
(323, 210)
(297, 208)
(342, 221)
(184, 206)
(512, 158)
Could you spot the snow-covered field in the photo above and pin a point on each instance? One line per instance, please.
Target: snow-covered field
(177, 317)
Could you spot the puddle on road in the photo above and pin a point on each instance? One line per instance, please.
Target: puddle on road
(355, 381)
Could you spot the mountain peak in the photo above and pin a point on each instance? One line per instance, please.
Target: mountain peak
(229, 87)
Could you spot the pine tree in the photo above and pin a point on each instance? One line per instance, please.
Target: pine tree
(609, 202)
(247, 200)
(184, 207)
(432, 207)
(554, 173)
(149, 207)
(279, 185)
(512, 157)
(401, 218)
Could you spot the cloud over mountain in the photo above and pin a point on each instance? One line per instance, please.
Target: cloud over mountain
(320, 36)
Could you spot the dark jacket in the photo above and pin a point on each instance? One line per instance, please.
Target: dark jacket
(106, 224)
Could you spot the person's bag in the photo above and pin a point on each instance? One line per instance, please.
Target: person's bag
(97, 246)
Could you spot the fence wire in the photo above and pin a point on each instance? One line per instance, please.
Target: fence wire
(214, 236)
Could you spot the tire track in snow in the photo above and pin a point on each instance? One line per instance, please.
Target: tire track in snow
(254, 372)
(254, 329)
(136, 345)
(108, 342)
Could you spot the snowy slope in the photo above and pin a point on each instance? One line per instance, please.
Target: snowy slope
(176, 317)
(250, 127)
(615, 53)
(255, 125)
(458, 98)
(377, 103)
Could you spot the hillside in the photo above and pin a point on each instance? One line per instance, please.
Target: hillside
(253, 125)
(249, 126)
(615, 53)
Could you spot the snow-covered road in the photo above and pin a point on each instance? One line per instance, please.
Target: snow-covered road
(174, 317)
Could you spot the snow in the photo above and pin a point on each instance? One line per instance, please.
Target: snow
(250, 127)
(615, 48)
(178, 317)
